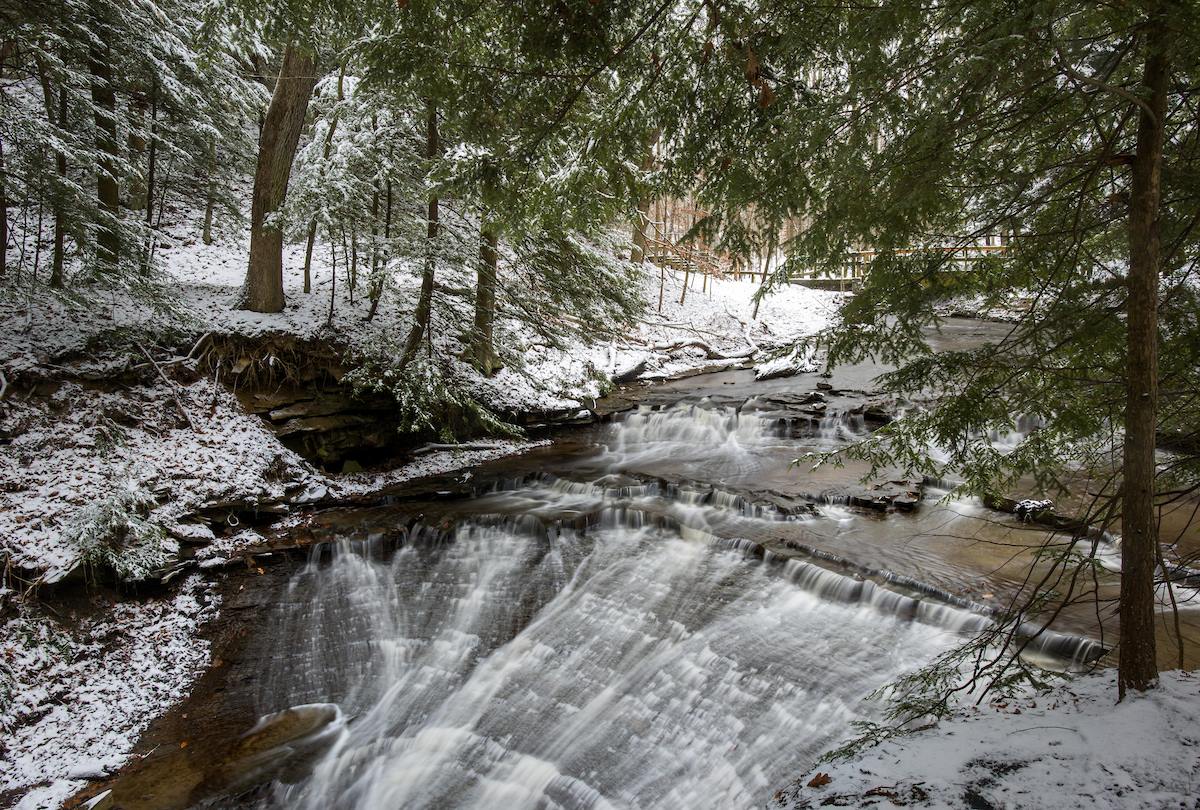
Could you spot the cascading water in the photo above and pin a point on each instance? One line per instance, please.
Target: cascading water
(590, 644)
(622, 667)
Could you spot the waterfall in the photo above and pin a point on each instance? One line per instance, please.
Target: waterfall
(625, 666)
(618, 640)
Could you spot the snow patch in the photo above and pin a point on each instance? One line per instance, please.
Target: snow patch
(1074, 747)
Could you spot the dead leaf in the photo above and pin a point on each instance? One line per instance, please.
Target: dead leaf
(820, 780)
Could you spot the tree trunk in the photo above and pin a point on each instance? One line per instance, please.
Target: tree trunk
(210, 197)
(151, 163)
(277, 147)
(312, 225)
(425, 300)
(373, 253)
(387, 235)
(3, 192)
(481, 352)
(151, 166)
(108, 189)
(308, 251)
(60, 165)
(638, 254)
(353, 261)
(766, 273)
(1138, 666)
(138, 197)
(4, 215)
(332, 278)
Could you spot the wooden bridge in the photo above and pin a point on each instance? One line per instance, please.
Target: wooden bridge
(666, 248)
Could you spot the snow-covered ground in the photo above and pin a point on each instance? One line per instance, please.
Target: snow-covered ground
(76, 698)
(1074, 747)
(84, 443)
(76, 693)
(203, 286)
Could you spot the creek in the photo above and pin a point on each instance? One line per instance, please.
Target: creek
(658, 611)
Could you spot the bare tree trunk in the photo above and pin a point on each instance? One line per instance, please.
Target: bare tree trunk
(377, 294)
(638, 254)
(60, 165)
(1138, 665)
(332, 278)
(151, 166)
(210, 197)
(353, 261)
(312, 225)
(310, 240)
(3, 187)
(3, 215)
(766, 273)
(152, 160)
(277, 148)
(136, 142)
(373, 253)
(37, 243)
(424, 308)
(481, 352)
(108, 189)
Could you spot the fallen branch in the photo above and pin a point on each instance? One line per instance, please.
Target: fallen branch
(709, 352)
(436, 446)
(197, 345)
(3, 384)
(174, 388)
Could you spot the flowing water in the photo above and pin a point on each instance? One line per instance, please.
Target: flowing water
(615, 629)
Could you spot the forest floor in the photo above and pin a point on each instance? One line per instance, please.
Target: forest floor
(1074, 747)
(101, 435)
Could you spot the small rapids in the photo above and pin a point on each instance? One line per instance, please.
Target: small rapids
(607, 643)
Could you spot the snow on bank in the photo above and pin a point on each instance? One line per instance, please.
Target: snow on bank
(75, 700)
(716, 319)
(82, 446)
(721, 321)
(429, 464)
(1075, 747)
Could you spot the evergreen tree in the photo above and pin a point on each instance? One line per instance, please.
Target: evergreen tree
(916, 129)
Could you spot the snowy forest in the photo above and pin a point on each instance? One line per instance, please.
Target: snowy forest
(599, 404)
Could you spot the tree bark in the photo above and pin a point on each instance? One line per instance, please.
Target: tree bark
(638, 254)
(481, 351)
(312, 225)
(4, 215)
(57, 201)
(138, 196)
(425, 301)
(3, 191)
(281, 130)
(152, 159)
(210, 197)
(108, 188)
(59, 205)
(1138, 666)
(387, 235)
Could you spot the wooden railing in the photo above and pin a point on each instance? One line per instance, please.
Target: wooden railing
(860, 260)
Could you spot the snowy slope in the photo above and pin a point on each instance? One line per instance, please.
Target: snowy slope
(1075, 747)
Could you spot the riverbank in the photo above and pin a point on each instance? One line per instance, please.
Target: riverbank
(1073, 747)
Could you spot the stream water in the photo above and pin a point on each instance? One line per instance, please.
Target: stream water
(603, 643)
(660, 611)
(612, 632)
